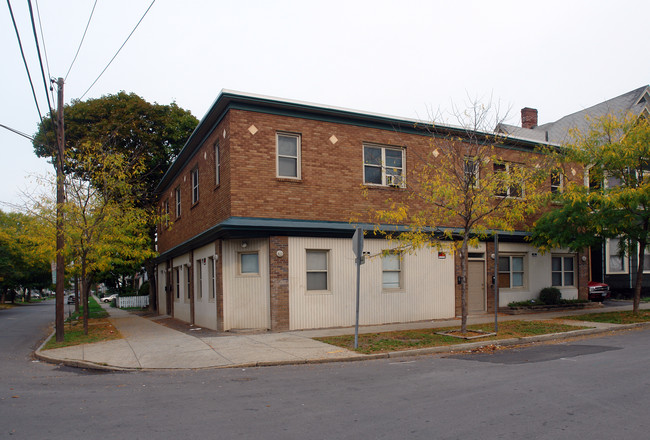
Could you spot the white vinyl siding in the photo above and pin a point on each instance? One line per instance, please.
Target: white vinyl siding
(246, 298)
(429, 292)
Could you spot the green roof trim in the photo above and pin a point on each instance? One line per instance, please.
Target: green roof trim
(254, 227)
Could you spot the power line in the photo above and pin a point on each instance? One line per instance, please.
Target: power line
(47, 61)
(20, 44)
(81, 42)
(40, 60)
(118, 51)
(18, 132)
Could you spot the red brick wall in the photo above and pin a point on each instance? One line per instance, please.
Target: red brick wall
(279, 274)
(330, 187)
(214, 200)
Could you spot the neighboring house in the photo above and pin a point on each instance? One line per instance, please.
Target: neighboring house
(606, 265)
(257, 224)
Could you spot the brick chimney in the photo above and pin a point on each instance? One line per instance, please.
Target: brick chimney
(528, 117)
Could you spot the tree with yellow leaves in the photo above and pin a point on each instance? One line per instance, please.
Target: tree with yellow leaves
(470, 183)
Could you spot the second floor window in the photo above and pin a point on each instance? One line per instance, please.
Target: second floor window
(178, 201)
(383, 165)
(556, 181)
(288, 150)
(509, 185)
(217, 164)
(471, 171)
(195, 185)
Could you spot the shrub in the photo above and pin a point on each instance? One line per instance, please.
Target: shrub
(550, 295)
(144, 289)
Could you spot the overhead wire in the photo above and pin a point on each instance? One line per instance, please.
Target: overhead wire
(18, 132)
(40, 59)
(118, 51)
(22, 52)
(82, 40)
(47, 61)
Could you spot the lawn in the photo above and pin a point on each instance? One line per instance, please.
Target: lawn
(99, 328)
(626, 317)
(410, 339)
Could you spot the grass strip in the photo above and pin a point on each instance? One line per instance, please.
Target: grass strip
(625, 317)
(423, 338)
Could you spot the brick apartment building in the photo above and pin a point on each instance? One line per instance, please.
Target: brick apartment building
(258, 224)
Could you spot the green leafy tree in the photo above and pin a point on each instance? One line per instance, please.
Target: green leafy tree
(615, 153)
(24, 264)
(461, 190)
(147, 136)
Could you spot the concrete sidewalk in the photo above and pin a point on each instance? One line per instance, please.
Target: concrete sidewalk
(149, 345)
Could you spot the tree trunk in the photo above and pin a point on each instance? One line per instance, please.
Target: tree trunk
(639, 277)
(4, 296)
(76, 294)
(463, 286)
(84, 294)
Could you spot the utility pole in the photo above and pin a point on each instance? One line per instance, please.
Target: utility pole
(60, 199)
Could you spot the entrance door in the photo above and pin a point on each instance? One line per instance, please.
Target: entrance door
(168, 292)
(476, 286)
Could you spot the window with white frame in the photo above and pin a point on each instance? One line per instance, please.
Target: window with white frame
(616, 260)
(508, 186)
(563, 270)
(557, 181)
(391, 271)
(288, 160)
(177, 282)
(211, 278)
(166, 212)
(217, 163)
(177, 192)
(471, 171)
(383, 165)
(511, 271)
(317, 264)
(199, 279)
(188, 279)
(249, 263)
(195, 185)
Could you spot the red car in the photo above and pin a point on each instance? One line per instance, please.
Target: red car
(598, 291)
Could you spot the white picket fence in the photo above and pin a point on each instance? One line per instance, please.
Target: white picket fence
(132, 301)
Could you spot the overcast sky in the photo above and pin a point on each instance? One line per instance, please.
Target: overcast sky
(400, 58)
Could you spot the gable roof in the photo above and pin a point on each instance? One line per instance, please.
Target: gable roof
(636, 102)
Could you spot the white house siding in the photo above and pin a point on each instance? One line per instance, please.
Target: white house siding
(205, 308)
(428, 286)
(246, 298)
(181, 305)
(537, 273)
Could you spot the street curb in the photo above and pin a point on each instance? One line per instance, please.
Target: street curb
(457, 348)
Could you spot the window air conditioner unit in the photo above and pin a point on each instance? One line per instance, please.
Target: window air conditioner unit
(395, 181)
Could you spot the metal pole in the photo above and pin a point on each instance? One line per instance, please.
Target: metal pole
(496, 282)
(356, 325)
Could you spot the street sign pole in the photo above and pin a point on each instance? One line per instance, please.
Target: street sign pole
(357, 248)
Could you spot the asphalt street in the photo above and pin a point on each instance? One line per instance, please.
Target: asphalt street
(593, 388)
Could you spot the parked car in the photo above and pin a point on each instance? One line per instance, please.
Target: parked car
(71, 299)
(109, 298)
(598, 291)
